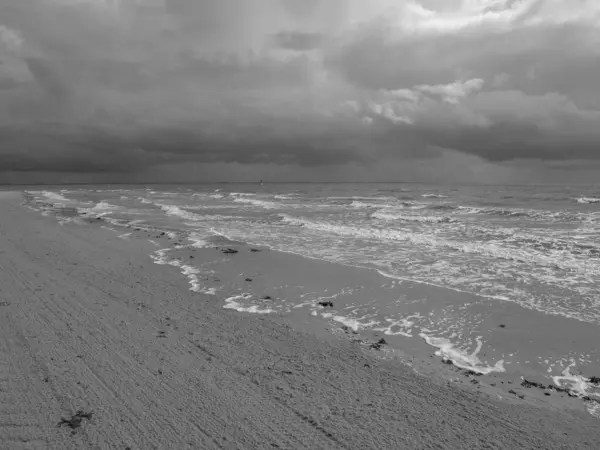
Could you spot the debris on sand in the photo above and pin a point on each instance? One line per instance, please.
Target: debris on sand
(326, 304)
(161, 334)
(595, 380)
(266, 297)
(75, 421)
(229, 251)
(502, 325)
(377, 345)
(529, 384)
(472, 373)
(346, 329)
(248, 279)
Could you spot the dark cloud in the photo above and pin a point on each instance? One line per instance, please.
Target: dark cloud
(342, 87)
(296, 40)
(47, 76)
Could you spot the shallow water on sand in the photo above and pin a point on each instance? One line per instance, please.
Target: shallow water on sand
(504, 278)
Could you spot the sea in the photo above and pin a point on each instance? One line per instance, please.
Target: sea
(525, 259)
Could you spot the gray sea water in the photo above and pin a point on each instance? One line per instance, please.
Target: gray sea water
(533, 247)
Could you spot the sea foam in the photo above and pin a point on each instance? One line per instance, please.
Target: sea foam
(461, 358)
(588, 200)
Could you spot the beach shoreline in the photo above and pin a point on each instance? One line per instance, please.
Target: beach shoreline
(90, 322)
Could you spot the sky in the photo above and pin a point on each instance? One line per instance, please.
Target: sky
(474, 91)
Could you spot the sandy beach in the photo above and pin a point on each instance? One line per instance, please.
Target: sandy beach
(101, 348)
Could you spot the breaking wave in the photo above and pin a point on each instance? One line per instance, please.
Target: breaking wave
(382, 215)
(587, 200)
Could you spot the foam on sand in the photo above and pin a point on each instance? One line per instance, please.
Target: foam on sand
(354, 324)
(234, 303)
(578, 384)
(401, 327)
(190, 272)
(199, 241)
(459, 357)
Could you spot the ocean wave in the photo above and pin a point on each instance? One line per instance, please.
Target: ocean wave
(542, 240)
(558, 259)
(412, 205)
(382, 215)
(500, 212)
(260, 203)
(164, 193)
(145, 201)
(285, 197)
(359, 232)
(236, 302)
(172, 210)
(434, 196)
(586, 200)
(200, 207)
(532, 214)
(51, 197)
(211, 218)
(359, 204)
(102, 207)
(438, 206)
(361, 198)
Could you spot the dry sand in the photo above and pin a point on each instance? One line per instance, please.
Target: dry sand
(95, 333)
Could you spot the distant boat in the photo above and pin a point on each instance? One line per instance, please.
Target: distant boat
(261, 183)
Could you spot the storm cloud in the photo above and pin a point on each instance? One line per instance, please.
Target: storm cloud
(168, 90)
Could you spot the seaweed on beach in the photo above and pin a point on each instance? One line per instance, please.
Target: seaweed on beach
(377, 345)
(76, 419)
(595, 380)
(529, 384)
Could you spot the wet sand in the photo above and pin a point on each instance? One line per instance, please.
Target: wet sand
(102, 348)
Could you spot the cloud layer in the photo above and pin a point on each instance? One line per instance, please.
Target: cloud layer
(439, 90)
